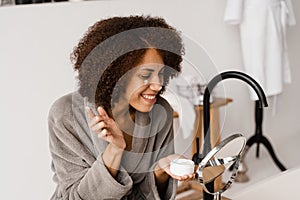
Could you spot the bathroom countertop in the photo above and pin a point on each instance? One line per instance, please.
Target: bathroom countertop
(279, 186)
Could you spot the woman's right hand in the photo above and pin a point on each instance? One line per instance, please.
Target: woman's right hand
(163, 166)
(106, 128)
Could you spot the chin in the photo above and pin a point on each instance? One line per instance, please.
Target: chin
(143, 109)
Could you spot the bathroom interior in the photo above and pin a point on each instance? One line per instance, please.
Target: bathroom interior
(37, 38)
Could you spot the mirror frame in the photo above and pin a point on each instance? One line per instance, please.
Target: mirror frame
(205, 162)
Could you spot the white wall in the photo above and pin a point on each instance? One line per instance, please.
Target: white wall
(36, 41)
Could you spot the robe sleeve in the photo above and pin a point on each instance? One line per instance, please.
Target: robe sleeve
(234, 12)
(78, 177)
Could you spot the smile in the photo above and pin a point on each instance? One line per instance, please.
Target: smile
(149, 97)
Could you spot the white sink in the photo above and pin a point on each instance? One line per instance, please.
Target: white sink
(280, 186)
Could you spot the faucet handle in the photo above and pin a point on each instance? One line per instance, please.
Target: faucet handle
(197, 157)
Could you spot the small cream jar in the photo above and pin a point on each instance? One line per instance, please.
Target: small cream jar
(181, 167)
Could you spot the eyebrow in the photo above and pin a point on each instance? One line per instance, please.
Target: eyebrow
(148, 69)
(151, 70)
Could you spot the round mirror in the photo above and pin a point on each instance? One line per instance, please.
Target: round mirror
(221, 163)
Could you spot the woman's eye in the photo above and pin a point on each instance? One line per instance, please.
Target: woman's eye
(145, 76)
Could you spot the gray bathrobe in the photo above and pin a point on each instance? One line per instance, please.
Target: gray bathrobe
(79, 171)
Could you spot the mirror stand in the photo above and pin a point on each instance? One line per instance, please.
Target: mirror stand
(223, 160)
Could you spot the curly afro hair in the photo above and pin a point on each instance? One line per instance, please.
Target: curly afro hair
(113, 46)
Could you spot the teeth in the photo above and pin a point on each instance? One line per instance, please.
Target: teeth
(150, 97)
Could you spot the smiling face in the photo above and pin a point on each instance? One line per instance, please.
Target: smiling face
(145, 82)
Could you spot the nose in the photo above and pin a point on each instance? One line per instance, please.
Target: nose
(155, 87)
(156, 83)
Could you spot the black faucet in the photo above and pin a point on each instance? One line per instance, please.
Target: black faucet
(206, 112)
(208, 90)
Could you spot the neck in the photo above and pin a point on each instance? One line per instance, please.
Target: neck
(124, 116)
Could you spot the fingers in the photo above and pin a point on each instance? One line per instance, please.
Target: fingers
(164, 163)
(188, 177)
(102, 112)
(94, 119)
(180, 178)
(184, 177)
(99, 123)
(104, 134)
(89, 112)
(98, 127)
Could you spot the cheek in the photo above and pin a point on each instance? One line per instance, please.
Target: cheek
(134, 93)
(134, 89)
(134, 96)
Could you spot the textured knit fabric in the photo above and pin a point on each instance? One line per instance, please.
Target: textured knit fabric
(79, 171)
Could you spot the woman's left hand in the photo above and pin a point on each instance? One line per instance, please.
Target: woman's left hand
(163, 168)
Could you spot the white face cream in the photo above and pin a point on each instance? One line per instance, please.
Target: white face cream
(181, 167)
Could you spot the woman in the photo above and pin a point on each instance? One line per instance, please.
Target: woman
(113, 138)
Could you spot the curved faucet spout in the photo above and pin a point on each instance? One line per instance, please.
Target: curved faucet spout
(206, 109)
(206, 104)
